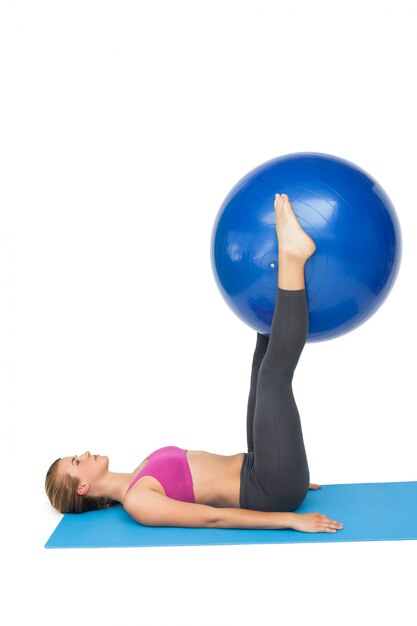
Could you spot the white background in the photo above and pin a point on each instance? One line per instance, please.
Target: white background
(123, 127)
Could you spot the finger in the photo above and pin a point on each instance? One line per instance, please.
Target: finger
(336, 525)
(333, 522)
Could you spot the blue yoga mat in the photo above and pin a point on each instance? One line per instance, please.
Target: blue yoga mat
(369, 512)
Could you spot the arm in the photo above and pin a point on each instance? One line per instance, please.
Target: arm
(247, 518)
(303, 522)
(152, 508)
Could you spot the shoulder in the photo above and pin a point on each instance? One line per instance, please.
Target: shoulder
(137, 493)
(150, 507)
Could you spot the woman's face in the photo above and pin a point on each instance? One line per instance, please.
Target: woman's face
(87, 468)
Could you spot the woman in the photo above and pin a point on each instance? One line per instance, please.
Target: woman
(257, 489)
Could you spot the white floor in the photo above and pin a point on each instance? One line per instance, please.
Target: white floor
(123, 128)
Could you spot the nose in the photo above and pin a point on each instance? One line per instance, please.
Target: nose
(86, 454)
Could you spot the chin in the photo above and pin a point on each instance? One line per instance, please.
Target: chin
(102, 459)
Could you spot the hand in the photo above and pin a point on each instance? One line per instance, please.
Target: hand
(314, 523)
(314, 486)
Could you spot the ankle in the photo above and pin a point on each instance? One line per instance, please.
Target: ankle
(289, 255)
(291, 272)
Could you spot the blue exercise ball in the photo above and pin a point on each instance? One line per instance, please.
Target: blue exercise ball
(344, 210)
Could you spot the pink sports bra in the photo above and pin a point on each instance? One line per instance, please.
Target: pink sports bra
(169, 465)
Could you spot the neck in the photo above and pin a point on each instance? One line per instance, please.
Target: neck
(114, 485)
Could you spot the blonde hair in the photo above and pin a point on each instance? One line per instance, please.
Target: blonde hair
(62, 493)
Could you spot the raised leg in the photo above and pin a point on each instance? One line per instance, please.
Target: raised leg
(293, 252)
(280, 463)
(280, 471)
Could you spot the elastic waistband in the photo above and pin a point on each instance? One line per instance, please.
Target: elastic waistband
(292, 293)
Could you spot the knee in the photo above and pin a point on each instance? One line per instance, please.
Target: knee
(272, 372)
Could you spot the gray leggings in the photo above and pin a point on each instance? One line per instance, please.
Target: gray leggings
(275, 474)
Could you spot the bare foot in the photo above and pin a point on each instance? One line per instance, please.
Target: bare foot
(292, 238)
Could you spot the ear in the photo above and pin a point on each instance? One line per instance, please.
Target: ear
(82, 489)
